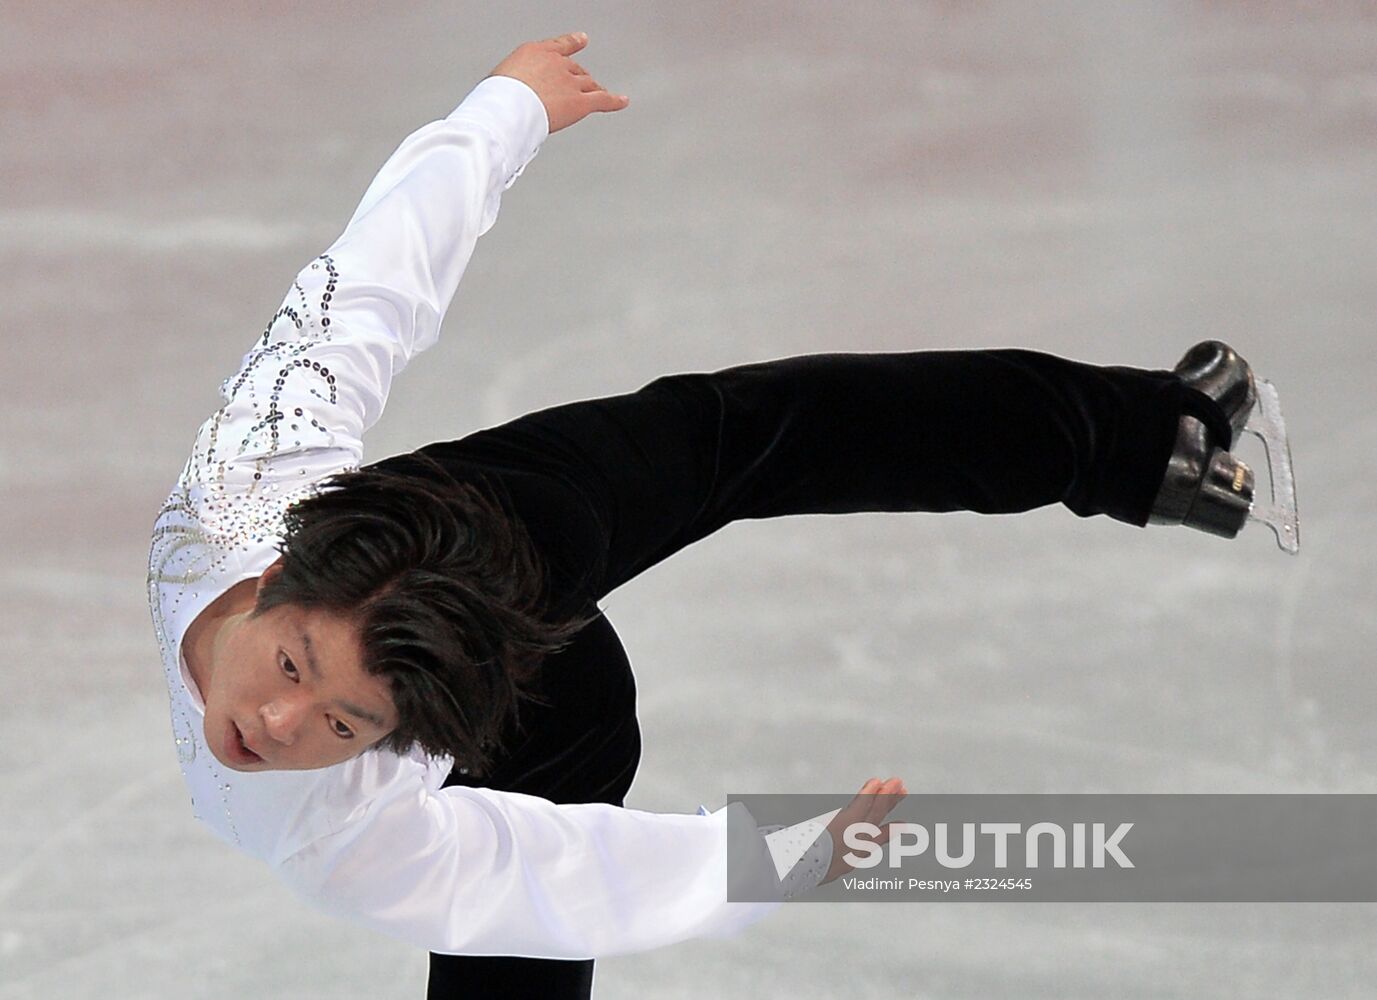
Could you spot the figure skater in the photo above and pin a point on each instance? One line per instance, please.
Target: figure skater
(393, 683)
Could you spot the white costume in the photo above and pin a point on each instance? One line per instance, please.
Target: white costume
(377, 839)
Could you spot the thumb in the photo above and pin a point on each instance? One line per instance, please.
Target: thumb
(567, 45)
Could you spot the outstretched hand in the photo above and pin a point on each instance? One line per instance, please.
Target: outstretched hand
(563, 86)
(872, 804)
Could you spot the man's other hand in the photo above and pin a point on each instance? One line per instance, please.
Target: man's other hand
(563, 86)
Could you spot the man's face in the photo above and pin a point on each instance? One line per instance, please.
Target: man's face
(288, 692)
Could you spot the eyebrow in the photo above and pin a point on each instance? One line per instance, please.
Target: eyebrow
(353, 710)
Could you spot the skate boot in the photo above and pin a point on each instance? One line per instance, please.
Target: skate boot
(1205, 486)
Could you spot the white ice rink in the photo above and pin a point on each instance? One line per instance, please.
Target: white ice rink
(1112, 182)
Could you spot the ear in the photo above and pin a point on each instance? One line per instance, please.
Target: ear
(268, 576)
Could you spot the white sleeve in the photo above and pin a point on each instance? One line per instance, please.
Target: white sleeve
(453, 870)
(319, 375)
(473, 871)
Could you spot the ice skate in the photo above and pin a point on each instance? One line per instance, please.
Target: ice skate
(1205, 486)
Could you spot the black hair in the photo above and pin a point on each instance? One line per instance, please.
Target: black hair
(446, 591)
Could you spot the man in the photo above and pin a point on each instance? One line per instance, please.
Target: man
(393, 684)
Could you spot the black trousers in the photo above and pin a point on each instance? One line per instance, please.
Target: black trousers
(609, 487)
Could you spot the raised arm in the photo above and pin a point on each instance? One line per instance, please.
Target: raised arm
(319, 375)
(406, 247)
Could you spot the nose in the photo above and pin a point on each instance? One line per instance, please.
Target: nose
(282, 718)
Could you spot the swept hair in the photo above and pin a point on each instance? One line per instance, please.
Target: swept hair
(446, 591)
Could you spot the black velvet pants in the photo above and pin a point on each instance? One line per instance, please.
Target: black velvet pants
(609, 487)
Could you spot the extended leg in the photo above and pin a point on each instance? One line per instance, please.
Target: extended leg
(989, 431)
(609, 487)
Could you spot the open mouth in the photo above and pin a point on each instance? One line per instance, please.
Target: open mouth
(239, 750)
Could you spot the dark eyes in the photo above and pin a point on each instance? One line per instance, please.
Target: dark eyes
(339, 728)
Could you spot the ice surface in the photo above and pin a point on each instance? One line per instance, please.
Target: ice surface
(1111, 182)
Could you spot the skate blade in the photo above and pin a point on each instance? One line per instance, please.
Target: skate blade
(1280, 514)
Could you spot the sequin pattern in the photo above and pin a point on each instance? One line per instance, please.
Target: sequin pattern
(255, 457)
